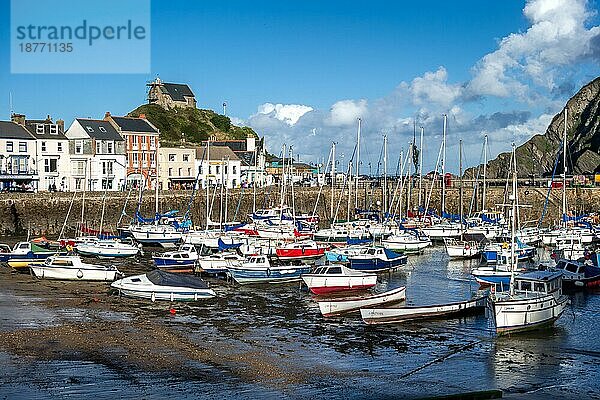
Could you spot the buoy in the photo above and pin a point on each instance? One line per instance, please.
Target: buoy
(172, 311)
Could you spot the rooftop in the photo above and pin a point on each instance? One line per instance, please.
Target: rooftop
(99, 129)
(216, 153)
(12, 130)
(177, 91)
(131, 124)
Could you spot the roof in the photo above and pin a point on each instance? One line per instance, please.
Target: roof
(539, 275)
(178, 91)
(216, 153)
(12, 130)
(31, 126)
(130, 124)
(99, 129)
(235, 145)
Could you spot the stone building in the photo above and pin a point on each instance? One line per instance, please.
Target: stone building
(97, 153)
(170, 95)
(141, 139)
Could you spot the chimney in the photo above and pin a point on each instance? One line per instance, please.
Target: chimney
(143, 116)
(48, 119)
(18, 118)
(107, 115)
(61, 125)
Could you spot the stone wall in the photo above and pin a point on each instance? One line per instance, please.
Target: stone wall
(45, 213)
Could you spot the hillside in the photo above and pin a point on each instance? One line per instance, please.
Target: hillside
(193, 125)
(538, 155)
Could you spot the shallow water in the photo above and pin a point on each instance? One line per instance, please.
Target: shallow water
(312, 356)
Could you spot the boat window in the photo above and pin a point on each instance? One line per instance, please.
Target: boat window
(539, 287)
(571, 268)
(371, 251)
(24, 246)
(335, 270)
(526, 286)
(176, 256)
(185, 256)
(136, 280)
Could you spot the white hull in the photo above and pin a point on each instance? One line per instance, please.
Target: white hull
(74, 274)
(522, 313)
(406, 245)
(139, 286)
(89, 249)
(440, 232)
(340, 306)
(346, 282)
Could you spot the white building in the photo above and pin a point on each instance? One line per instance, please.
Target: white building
(17, 157)
(51, 152)
(217, 165)
(97, 154)
(177, 167)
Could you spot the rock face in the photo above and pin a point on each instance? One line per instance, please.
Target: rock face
(539, 154)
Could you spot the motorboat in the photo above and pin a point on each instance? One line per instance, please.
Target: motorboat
(218, 263)
(72, 268)
(407, 241)
(300, 250)
(258, 269)
(377, 259)
(182, 260)
(337, 278)
(161, 285)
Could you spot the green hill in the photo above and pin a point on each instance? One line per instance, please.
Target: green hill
(191, 124)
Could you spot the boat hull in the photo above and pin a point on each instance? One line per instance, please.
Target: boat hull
(333, 307)
(527, 314)
(376, 264)
(245, 276)
(331, 284)
(74, 274)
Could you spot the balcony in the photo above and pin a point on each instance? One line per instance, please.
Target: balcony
(16, 173)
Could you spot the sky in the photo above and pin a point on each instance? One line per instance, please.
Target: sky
(301, 73)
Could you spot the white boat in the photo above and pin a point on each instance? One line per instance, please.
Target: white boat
(550, 237)
(570, 247)
(406, 241)
(161, 285)
(490, 231)
(218, 263)
(106, 248)
(535, 301)
(258, 269)
(461, 248)
(182, 260)
(156, 233)
(336, 278)
(400, 314)
(443, 230)
(71, 268)
(332, 307)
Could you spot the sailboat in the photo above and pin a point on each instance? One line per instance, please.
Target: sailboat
(534, 299)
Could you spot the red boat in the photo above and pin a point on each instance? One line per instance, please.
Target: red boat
(305, 249)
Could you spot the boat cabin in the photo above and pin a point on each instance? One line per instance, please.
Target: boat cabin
(545, 282)
(257, 260)
(328, 270)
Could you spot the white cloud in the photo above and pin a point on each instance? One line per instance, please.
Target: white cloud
(288, 113)
(345, 112)
(557, 36)
(433, 87)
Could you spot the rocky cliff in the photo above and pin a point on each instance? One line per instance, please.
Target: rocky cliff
(539, 154)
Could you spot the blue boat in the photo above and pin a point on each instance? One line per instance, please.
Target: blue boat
(258, 269)
(493, 252)
(489, 276)
(377, 259)
(182, 260)
(26, 251)
(340, 255)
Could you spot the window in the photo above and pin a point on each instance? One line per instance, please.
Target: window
(110, 148)
(78, 183)
(54, 129)
(134, 140)
(43, 146)
(89, 129)
(171, 157)
(9, 147)
(50, 165)
(79, 147)
(78, 167)
(233, 169)
(217, 169)
(102, 129)
(22, 165)
(135, 157)
(98, 147)
(209, 170)
(107, 168)
(538, 287)
(59, 147)
(189, 172)
(226, 169)
(22, 147)
(526, 286)
(107, 184)
(170, 171)
(152, 157)
(186, 157)
(180, 172)
(39, 129)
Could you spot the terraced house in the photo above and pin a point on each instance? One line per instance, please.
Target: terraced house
(97, 153)
(17, 158)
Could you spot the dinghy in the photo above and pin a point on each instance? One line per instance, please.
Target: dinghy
(72, 268)
(161, 285)
(400, 314)
(338, 306)
(337, 278)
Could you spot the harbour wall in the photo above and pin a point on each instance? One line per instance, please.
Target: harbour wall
(45, 213)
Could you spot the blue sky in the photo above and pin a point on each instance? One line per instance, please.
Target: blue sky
(326, 62)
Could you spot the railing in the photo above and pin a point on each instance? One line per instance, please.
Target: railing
(17, 171)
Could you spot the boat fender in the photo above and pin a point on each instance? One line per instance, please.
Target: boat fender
(505, 245)
(153, 297)
(467, 247)
(79, 273)
(268, 272)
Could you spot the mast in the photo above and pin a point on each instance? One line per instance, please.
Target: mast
(357, 164)
(254, 180)
(460, 173)
(485, 146)
(283, 149)
(102, 214)
(221, 197)
(385, 199)
(227, 191)
(564, 182)
(85, 169)
(421, 167)
(155, 180)
(291, 169)
(349, 189)
(410, 158)
(332, 177)
(512, 222)
(207, 181)
(444, 166)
